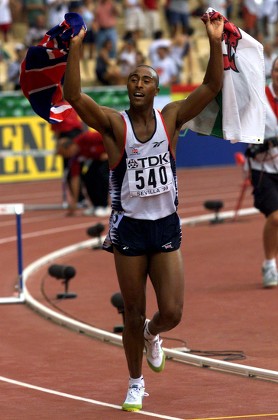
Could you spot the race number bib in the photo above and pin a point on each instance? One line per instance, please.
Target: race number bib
(150, 175)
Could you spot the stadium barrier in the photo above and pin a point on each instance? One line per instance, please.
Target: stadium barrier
(17, 210)
(22, 131)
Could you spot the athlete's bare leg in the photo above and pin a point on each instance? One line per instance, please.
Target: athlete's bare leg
(132, 277)
(270, 236)
(167, 276)
(166, 271)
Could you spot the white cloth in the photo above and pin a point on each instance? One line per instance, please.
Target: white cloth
(56, 12)
(238, 113)
(166, 69)
(5, 12)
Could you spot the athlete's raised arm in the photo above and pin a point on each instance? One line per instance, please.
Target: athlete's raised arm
(179, 112)
(89, 111)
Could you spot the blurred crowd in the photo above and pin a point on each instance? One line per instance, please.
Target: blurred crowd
(124, 33)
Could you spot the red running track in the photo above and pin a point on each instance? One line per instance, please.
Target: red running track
(50, 372)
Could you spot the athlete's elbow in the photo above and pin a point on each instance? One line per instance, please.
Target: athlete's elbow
(215, 88)
(71, 97)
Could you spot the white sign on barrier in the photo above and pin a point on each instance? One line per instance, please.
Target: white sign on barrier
(11, 209)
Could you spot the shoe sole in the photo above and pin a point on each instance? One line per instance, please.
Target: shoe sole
(270, 285)
(130, 408)
(160, 368)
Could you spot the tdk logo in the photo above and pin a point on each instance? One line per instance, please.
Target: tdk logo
(132, 164)
(151, 161)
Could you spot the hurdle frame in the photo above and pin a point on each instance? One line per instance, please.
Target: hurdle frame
(17, 210)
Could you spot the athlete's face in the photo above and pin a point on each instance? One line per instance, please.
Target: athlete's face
(142, 86)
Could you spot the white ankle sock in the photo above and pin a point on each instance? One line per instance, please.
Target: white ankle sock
(270, 263)
(147, 333)
(137, 381)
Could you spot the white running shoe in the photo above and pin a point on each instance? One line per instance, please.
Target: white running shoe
(102, 211)
(155, 353)
(270, 277)
(134, 398)
(90, 211)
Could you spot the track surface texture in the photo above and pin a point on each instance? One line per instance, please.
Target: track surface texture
(49, 372)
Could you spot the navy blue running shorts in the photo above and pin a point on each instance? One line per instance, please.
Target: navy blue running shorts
(133, 237)
(265, 191)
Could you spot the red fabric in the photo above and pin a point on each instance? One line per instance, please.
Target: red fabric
(74, 167)
(272, 101)
(151, 4)
(70, 123)
(43, 68)
(90, 145)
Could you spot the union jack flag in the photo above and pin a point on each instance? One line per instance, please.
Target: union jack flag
(43, 69)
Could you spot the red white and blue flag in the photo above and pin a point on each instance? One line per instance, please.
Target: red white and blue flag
(43, 69)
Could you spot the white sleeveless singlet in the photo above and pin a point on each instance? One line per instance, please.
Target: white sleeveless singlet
(143, 185)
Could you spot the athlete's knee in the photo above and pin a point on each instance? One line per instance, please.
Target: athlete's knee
(134, 318)
(172, 315)
(273, 219)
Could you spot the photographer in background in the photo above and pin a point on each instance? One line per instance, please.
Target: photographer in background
(88, 163)
(263, 164)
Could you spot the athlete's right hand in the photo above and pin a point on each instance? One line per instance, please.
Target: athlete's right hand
(79, 37)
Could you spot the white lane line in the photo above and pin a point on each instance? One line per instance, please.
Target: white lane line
(78, 398)
(45, 232)
(184, 221)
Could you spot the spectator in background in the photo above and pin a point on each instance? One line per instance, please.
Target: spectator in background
(33, 9)
(127, 57)
(106, 17)
(70, 128)
(219, 5)
(158, 39)
(263, 164)
(134, 18)
(36, 33)
(5, 19)
(164, 64)
(249, 10)
(275, 44)
(87, 12)
(14, 66)
(140, 58)
(4, 55)
(152, 17)
(269, 57)
(56, 10)
(268, 19)
(180, 49)
(4, 60)
(177, 16)
(88, 163)
(229, 9)
(107, 71)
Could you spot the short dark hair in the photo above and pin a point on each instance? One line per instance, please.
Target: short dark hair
(151, 68)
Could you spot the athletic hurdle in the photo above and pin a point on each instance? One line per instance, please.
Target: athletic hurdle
(37, 154)
(17, 210)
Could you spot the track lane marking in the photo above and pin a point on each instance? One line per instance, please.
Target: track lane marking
(248, 416)
(78, 398)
